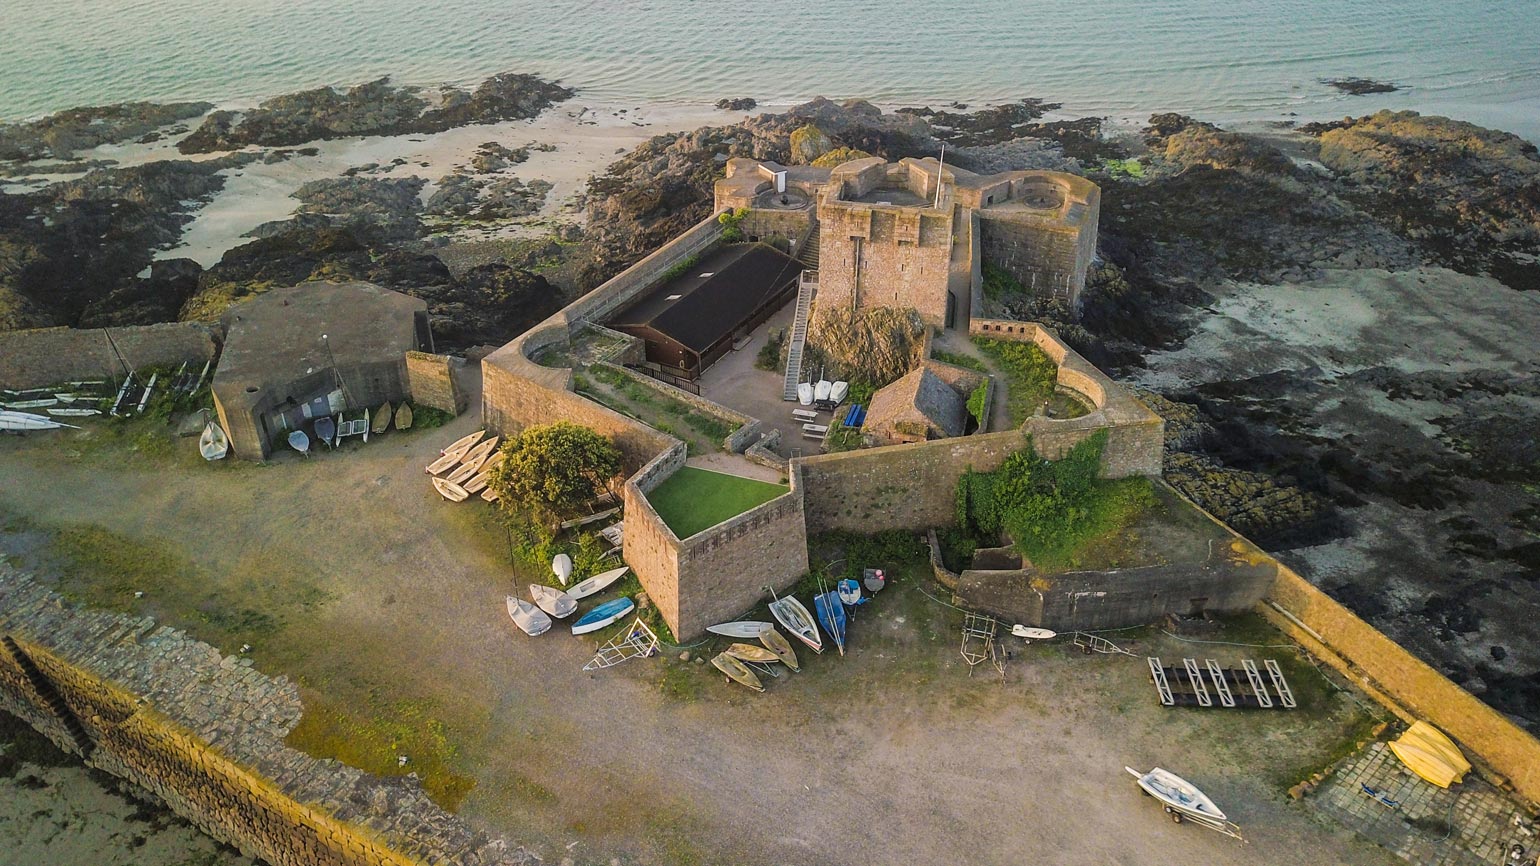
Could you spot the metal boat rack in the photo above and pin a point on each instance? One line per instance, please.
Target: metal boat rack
(1190, 684)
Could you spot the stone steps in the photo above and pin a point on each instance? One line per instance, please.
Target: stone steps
(45, 690)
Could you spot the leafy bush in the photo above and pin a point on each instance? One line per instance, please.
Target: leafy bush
(976, 402)
(731, 221)
(769, 357)
(427, 417)
(888, 550)
(958, 360)
(553, 469)
(998, 283)
(679, 270)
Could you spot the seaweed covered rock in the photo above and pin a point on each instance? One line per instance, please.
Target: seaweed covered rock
(839, 156)
(1253, 504)
(58, 136)
(808, 143)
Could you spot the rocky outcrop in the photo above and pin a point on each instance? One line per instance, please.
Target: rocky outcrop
(466, 196)
(375, 108)
(58, 136)
(808, 143)
(742, 104)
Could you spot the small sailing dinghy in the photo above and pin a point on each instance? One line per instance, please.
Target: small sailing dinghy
(805, 393)
(561, 566)
(831, 615)
(793, 617)
(850, 592)
(450, 490)
(552, 600)
(382, 417)
(744, 629)
(603, 615)
(838, 391)
(873, 579)
(1183, 801)
(750, 653)
(598, 583)
(19, 422)
(1033, 633)
(326, 430)
(775, 643)
(737, 671)
(461, 446)
(76, 412)
(821, 391)
(299, 442)
(213, 444)
(528, 617)
(404, 417)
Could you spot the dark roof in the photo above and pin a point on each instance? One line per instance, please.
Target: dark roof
(716, 296)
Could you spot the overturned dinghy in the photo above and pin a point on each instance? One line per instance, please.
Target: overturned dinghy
(299, 442)
(213, 444)
(775, 643)
(737, 671)
(745, 629)
(598, 583)
(528, 617)
(1183, 801)
(552, 600)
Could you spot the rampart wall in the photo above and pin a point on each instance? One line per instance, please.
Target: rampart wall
(42, 357)
(430, 379)
(203, 733)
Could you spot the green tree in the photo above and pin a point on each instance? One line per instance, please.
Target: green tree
(553, 469)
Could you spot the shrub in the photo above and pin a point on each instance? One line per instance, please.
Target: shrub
(553, 469)
(731, 221)
(976, 402)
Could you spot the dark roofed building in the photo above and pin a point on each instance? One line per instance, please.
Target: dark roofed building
(692, 320)
(276, 373)
(915, 408)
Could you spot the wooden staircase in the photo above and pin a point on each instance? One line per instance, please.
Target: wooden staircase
(45, 690)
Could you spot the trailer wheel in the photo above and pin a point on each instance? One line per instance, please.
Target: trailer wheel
(1176, 818)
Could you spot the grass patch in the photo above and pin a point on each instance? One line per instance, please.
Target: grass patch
(1030, 375)
(372, 734)
(428, 418)
(660, 411)
(681, 682)
(696, 499)
(959, 360)
(998, 283)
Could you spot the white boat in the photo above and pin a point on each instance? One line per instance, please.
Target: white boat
(552, 600)
(561, 566)
(22, 421)
(299, 442)
(32, 404)
(1182, 800)
(74, 413)
(1033, 633)
(795, 618)
(460, 446)
(528, 617)
(743, 629)
(473, 460)
(805, 393)
(213, 444)
(478, 482)
(822, 390)
(598, 583)
(450, 490)
(838, 391)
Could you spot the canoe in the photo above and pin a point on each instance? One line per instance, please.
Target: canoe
(598, 583)
(1427, 752)
(479, 481)
(793, 617)
(443, 463)
(746, 629)
(775, 643)
(1182, 799)
(561, 566)
(299, 441)
(552, 600)
(737, 671)
(821, 390)
(326, 430)
(528, 617)
(19, 421)
(213, 444)
(381, 419)
(460, 446)
(74, 413)
(850, 592)
(603, 615)
(449, 490)
(831, 615)
(473, 461)
(404, 417)
(838, 391)
(805, 393)
(750, 653)
(1033, 633)
(32, 404)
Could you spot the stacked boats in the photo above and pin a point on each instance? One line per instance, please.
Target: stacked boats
(465, 466)
(548, 603)
(740, 661)
(362, 422)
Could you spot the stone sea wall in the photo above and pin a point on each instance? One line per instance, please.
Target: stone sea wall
(204, 733)
(51, 356)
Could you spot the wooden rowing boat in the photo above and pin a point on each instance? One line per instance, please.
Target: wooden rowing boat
(382, 417)
(750, 653)
(737, 671)
(404, 417)
(449, 490)
(598, 583)
(781, 647)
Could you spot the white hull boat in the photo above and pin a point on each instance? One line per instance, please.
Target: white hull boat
(528, 617)
(23, 421)
(463, 444)
(822, 390)
(213, 444)
(450, 490)
(561, 566)
(794, 617)
(838, 391)
(805, 393)
(553, 601)
(74, 413)
(598, 583)
(743, 629)
(1033, 633)
(1183, 801)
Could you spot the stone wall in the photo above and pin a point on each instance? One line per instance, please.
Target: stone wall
(50, 356)
(772, 225)
(746, 429)
(914, 273)
(203, 733)
(651, 549)
(1044, 257)
(430, 380)
(626, 286)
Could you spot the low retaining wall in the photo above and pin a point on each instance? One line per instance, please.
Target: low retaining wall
(203, 733)
(51, 356)
(746, 431)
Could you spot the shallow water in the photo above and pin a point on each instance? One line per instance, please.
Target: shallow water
(1217, 58)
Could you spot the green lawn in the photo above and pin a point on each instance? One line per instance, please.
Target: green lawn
(695, 499)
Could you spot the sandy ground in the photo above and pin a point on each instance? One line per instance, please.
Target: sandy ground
(890, 755)
(1386, 364)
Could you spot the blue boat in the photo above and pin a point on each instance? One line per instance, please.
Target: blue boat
(831, 615)
(603, 615)
(850, 592)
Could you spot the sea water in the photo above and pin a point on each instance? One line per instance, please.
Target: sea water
(1218, 59)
